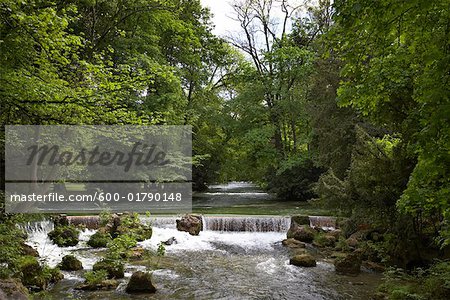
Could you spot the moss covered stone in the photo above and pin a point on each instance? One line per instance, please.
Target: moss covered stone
(302, 233)
(70, 263)
(64, 236)
(293, 243)
(13, 289)
(140, 282)
(114, 269)
(303, 260)
(349, 264)
(99, 239)
(28, 250)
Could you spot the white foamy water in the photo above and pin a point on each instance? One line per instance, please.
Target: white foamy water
(209, 240)
(51, 253)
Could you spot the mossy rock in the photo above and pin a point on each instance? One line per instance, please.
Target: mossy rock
(302, 233)
(28, 250)
(190, 223)
(126, 224)
(12, 288)
(64, 236)
(293, 243)
(108, 284)
(61, 220)
(349, 264)
(36, 277)
(99, 239)
(303, 260)
(140, 282)
(31, 273)
(55, 274)
(115, 269)
(324, 240)
(70, 263)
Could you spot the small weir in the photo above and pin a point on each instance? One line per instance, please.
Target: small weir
(91, 222)
(221, 223)
(248, 224)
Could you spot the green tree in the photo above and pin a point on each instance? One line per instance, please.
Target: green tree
(396, 73)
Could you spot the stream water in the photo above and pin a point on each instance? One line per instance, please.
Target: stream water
(232, 258)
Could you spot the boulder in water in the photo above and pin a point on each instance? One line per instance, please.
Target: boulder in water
(126, 223)
(303, 260)
(190, 223)
(302, 233)
(13, 289)
(64, 236)
(324, 240)
(107, 284)
(115, 269)
(293, 243)
(99, 239)
(70, 263)
(140, 282)
(349, 264)
(28, 250)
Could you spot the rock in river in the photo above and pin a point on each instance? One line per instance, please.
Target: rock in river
(190, 223)
(293, 243)
(140, 282)
(302, 233)
(70, 263)
(349, 264)
(303, 260)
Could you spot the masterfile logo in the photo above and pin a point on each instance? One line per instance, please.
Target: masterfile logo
(106, 164)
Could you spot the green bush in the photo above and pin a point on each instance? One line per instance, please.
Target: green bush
(433, 283)
(113, 268)
(33, 274)
(95, 277)
(118, 248)
(11, 239)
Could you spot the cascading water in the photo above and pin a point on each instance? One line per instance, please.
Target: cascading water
(238, 257)
(49, 252)
(248, 224)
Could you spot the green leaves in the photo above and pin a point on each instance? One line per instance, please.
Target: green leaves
(396, 73)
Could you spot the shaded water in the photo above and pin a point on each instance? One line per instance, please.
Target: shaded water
(220, 263)
(243, 198)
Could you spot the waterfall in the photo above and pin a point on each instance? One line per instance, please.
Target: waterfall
(38, 227)
(248, 223)
(324, 222)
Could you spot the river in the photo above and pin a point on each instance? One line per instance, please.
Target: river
(220, 263)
